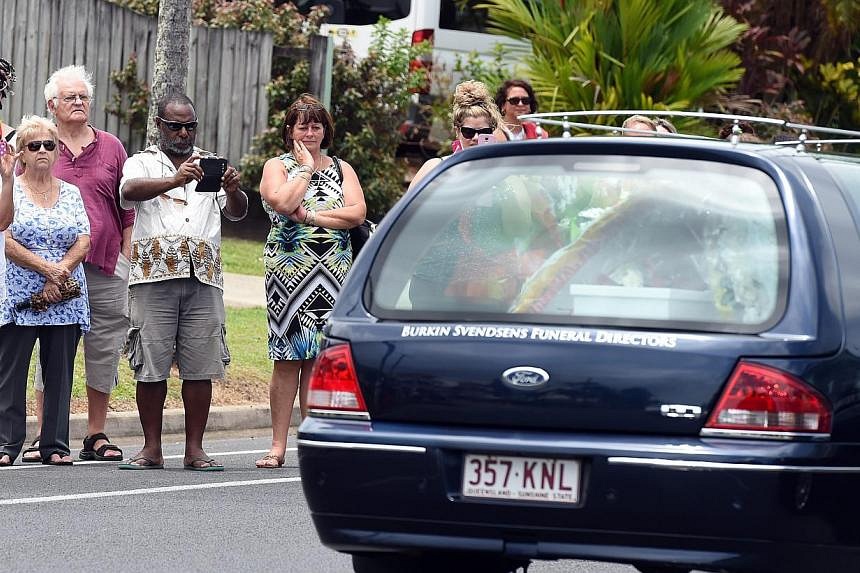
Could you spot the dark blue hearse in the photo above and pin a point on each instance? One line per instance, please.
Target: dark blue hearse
(640, 350)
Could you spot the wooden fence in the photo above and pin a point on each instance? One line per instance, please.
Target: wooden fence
(227, 73)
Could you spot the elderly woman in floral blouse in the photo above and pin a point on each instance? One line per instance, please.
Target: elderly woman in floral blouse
(45, 245)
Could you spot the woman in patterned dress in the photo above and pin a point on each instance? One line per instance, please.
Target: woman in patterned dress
(312, 200)
(45, 245)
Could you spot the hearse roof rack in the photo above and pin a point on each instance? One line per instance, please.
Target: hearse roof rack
(568, 119)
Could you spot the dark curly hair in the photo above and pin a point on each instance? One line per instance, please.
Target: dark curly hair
(7, 78)
(745, 127)
(502, 94)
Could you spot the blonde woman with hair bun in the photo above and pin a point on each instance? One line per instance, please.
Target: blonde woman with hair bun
(474, 113)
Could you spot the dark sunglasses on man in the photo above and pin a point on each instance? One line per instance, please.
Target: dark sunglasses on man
(48, 144)
(178, 125)
(469, 132)
(519, 100)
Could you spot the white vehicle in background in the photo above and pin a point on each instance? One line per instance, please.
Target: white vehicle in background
(454, 28)
(451, 26)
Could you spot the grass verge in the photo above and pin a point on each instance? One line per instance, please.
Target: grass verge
(247, 379)
(242, 256)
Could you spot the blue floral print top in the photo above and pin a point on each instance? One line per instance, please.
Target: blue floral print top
(48, 233)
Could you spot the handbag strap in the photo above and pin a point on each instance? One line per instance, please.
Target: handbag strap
(338, 169)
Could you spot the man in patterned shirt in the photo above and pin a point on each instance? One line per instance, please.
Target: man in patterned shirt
(175, 283)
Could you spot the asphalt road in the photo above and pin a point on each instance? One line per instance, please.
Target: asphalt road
(94, 517)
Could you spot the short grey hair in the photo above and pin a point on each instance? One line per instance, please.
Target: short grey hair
(69, 72)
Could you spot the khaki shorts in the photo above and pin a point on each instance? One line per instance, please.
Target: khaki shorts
(177, 320)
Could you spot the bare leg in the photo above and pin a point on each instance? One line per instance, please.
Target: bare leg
(307, 369)
(197, 398)
(150, 404)
(282, 396)
(97, 409)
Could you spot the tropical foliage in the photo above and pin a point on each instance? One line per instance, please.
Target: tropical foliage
(284, 21)
(623, 54)
(802, 55)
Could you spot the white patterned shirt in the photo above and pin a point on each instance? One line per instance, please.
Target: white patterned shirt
(177, 233)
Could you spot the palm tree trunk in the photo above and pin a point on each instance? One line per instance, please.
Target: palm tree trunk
(171, 55)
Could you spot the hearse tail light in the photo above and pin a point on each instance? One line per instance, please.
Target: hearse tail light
(768, 402)
(424, 62)
(334, 386)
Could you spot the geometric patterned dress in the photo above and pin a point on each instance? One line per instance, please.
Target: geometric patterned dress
(305, 268)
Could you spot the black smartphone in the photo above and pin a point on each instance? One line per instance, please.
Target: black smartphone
(213, 170)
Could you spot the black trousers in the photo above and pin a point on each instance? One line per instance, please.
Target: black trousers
(58, 345)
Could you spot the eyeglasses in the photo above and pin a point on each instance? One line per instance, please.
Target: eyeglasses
(178, 125)
(470, 132)
(48, 144)
(73, 98)
(519, 100)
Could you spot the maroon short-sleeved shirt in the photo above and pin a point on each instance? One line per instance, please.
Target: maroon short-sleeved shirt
(97, 172)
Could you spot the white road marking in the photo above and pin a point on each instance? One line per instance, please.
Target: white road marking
(36, 465)
(144, 491)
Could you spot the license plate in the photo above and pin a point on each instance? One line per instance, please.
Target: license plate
(522, 479)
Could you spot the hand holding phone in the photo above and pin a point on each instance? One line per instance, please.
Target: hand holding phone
(485, 138)
(213, 171)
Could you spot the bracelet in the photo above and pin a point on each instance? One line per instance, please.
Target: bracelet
(306, 169)
(307, 216)
(304, 176)
(313, 217)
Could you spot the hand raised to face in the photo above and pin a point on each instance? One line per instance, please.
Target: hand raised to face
(303, 155)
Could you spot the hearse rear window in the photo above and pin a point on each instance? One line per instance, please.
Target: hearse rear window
(589, 240)
(462, 16)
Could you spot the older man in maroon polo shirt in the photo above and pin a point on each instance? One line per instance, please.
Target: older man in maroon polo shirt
(92, 160)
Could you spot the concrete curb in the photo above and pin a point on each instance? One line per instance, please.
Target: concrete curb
(125, 424)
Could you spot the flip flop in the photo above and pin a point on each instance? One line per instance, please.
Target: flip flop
(145, 464)
(212, 466)
(34, 448)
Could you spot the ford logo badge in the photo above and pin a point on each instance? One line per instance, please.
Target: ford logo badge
(525, 376)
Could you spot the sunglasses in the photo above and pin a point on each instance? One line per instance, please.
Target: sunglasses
(470, 132)
(48, 144)
(519, 100)
(307, 107)
(178, 125)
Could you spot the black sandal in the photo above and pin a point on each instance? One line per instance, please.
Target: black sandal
(34, 448)
(88, 453)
